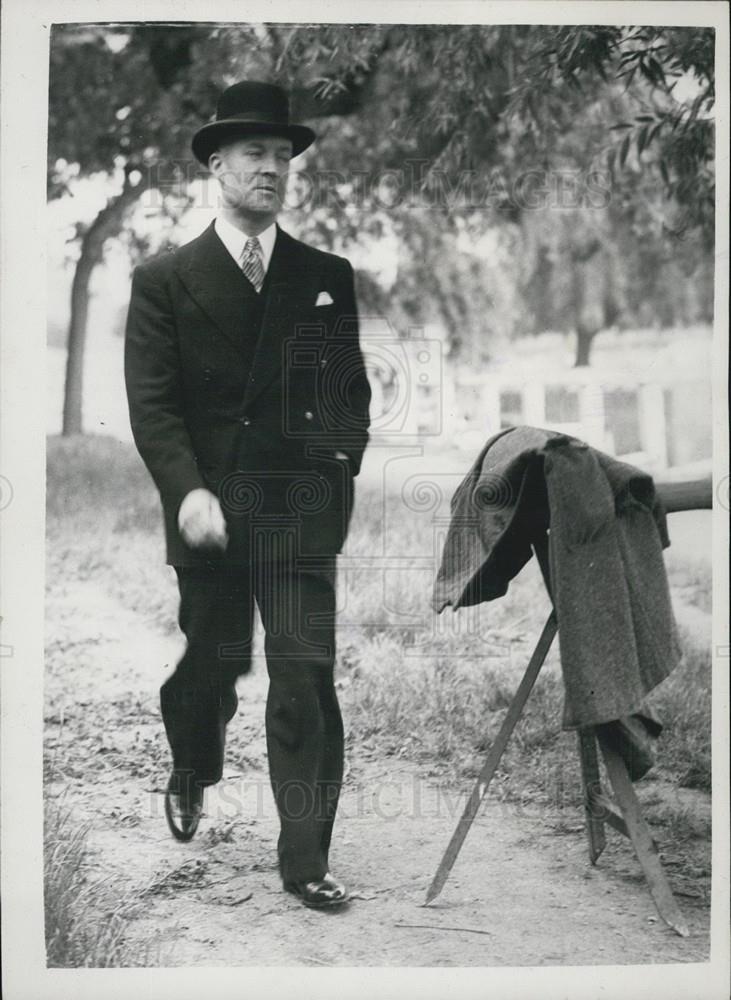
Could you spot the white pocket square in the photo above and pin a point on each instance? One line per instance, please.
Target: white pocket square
(324, 299)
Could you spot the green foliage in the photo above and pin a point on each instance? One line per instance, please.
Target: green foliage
(480, 107)
(464, 116)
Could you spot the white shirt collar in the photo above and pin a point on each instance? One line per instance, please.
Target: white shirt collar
(234, 240)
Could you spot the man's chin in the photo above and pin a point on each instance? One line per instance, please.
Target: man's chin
(264, 204)
(256, 208)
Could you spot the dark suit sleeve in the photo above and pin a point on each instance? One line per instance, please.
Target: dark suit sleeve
(354, 435)
(152, 376)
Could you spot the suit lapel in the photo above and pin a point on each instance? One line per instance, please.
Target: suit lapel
(292, 286)
(217, 284)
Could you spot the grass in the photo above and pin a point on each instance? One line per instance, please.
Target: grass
(104, 524)
(86, 923)
(692, 579)
(431, 689)
(684, 700)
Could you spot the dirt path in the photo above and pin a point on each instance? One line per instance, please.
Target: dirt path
(522, 880)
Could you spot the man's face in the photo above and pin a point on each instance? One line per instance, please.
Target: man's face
(252, 171)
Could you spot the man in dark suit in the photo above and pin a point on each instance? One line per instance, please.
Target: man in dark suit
(248, 402)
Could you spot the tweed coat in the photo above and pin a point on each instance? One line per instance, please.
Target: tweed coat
(249, 396)
(617, 633)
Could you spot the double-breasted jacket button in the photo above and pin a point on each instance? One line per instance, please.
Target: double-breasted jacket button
(245, 421)
(309, 415)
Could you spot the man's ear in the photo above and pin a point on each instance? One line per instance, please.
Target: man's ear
(215, 162)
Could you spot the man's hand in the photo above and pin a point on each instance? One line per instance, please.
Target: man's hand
(201, 521)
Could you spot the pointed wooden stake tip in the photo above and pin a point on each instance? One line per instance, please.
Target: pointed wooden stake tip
(431, 894)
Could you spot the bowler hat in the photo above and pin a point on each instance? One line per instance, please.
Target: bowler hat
(250, 107)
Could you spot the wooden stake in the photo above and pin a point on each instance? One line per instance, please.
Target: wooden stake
(642, 841)
(592, 790)
(493, 758)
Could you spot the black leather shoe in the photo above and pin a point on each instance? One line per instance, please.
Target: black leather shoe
(322, 894)
(183, 807)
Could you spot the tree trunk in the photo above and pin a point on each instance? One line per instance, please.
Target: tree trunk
(587, 318)
(108, 223)
(74, 384)
(584, 340)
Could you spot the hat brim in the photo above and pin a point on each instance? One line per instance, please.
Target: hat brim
(209, 138)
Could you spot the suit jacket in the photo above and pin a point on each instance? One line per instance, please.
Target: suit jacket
(249, 397)
(617, 633)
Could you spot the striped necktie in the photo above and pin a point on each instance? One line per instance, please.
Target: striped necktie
(252, 264)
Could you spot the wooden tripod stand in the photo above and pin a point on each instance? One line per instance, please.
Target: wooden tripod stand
(624, 813)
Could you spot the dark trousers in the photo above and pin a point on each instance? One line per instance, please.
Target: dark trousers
(304, 728)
